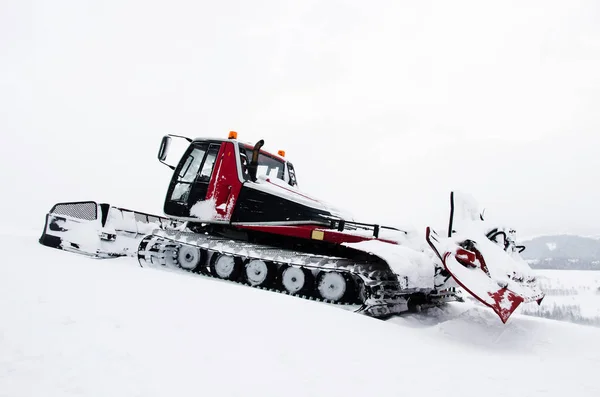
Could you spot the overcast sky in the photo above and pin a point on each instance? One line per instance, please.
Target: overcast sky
(383, 106)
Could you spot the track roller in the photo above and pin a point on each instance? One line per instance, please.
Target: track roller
(333, 286)
(259, 273)
(191, 258)
(226, 267)
(296, 280)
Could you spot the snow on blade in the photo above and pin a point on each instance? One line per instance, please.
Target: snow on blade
(492, 271)
(486, 290)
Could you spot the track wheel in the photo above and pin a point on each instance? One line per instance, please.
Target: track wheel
(295, 280)
(191, 258)
(332, 286)
(259, 273)
(226, 267)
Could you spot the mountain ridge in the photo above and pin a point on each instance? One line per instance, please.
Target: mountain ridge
(562, 251)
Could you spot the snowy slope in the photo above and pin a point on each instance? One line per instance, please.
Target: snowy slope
(571, 295)
(73, 326)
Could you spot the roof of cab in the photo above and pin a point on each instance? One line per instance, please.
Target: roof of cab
(247, 144)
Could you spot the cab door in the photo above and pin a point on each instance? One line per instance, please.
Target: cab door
(225, 186)
(191, 179)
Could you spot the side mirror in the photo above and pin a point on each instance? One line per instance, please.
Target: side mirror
(163, 151)
(292, 174)
(164, 148)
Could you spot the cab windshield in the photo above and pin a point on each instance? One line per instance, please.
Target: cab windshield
(268, 166)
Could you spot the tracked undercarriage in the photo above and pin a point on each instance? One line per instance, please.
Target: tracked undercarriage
(365, 287)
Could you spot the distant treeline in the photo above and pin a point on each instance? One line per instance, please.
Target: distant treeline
(565, 264)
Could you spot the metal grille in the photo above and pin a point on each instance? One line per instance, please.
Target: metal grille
(86, 210)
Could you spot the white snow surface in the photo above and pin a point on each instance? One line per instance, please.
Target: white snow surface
(572, 295)
(74, 326)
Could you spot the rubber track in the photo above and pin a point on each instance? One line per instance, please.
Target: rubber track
(382, 293)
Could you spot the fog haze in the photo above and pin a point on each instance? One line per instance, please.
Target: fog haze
(383, 107)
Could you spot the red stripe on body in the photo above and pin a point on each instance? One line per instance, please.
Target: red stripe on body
(305, 232)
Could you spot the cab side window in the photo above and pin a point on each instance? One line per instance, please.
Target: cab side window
(209, 163)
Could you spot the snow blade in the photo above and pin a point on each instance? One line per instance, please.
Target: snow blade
(484, 261)
(97, 230)
(472, 277)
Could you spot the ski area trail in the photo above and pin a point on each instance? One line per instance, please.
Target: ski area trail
(75, 326)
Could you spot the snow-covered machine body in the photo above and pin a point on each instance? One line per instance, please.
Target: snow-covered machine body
(234, 211)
